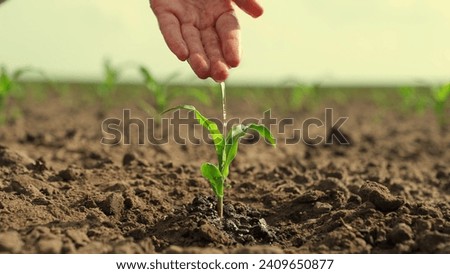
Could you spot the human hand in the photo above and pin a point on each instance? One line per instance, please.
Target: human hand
(206, 33)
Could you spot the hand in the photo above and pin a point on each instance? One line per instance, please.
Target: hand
(206, 33)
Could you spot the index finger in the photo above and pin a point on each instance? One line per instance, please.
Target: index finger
(171, 31)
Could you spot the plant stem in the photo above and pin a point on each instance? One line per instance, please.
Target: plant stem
(220, 206)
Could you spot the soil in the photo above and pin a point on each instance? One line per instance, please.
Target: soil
(62, 191)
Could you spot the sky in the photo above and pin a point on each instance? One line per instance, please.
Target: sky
(345, 41)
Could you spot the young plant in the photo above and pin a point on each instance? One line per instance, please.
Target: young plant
(161, 94)
(412, 100)
(157, 90)
(110, 81)
(440, 98)
(9, 87)
(300, 94)
(226, 150)
(6, 85)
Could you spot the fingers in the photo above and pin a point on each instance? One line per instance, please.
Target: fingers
(228, 30)
(218, 66)
(251, 7)
(170, 29)
(197, 57)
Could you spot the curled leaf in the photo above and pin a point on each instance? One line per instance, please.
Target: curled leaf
(214, 177)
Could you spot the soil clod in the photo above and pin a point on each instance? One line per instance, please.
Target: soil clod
(113, 205)
(401, 233)
(380, 196)
(10, 242)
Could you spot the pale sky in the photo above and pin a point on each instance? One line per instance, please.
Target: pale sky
(349, 41)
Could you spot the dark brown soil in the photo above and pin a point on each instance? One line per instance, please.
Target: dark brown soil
(61, 191)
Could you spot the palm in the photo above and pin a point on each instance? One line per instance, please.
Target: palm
(204, 32)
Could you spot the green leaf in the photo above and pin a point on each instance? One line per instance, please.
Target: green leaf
(232, 142)
(149, 80)
(5, 82)
(158, 90)
(443, 93)
(212, 128)
(231, 147)
(299, 94)
(264, 132)
(110, 80)
(213, 175)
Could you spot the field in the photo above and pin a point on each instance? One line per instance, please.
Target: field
(62, 190)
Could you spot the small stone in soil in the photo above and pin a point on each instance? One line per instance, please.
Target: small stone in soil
(49, 246)
(332, 184)
(310, 196)
(127, 248)
(10, 242)
(113, 205)
(211, 233)
(322, 207)
(137, 234)
(261, 230)
(434, 242)
(67, 175)
(13, 158)
(128, 158)
(21, 186)
(78, 237)
(40, 201)
(401, 233)
(380, 196)
(300, 179)
(228, 210)
(230, 226)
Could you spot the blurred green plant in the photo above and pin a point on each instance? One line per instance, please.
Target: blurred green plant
(441, 96)
(158, 90)
(7, 84)
(10, 89)
(110, 80)
(163, 93)
(300, 95)
(412, 99)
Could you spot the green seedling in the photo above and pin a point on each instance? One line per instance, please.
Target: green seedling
(9, 87)
(110, 81)
(226, 150)
(440, 97)
(6, 85)
(161, 94)
(412, 100)
(158, 90)
(300, 94)
(112, 77)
